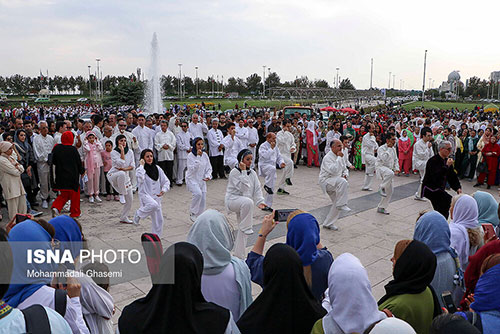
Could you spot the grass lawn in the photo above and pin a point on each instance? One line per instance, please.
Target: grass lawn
(442, 105)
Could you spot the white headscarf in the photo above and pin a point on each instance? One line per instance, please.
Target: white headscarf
(465, 215)
(392, 326)
(311, 125)
(353, 307)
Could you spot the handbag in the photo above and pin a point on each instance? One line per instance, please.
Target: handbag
(482, 167)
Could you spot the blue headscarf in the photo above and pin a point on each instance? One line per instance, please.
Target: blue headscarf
(24, 236)
(68, 233)
(303, 236)
(487, 207)
(193, 148)
(487, 292)
(433, 230)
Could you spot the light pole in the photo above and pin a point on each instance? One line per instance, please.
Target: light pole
(264, 80)
(371, 76)
(222, 85)
(337, 84)
(197, 92)
(389, 81)
(90, 89)
(98, 90)
(423, 81)
(180, 78)
(394, 81)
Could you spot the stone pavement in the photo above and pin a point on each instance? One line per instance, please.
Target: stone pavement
(363, 232)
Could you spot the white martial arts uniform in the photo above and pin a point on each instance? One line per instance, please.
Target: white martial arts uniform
(243, 193)
(120, 180)
(183, 145)
(368, 147)
(133, 144)
(330, 136)
(333, 183)
(198, 129)
(421, 153)
(286, 144)
(149, 190)
(268, 159)
(253, 138)
(347, 163)
(242, 134)
(145, 138)
(97, 131)
(232, 146)
(42, 146)
(198, 168)
(214, 138)
(387, 163)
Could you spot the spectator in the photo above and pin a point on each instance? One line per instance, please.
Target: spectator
(10, 179)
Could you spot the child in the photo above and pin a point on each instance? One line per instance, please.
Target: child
(106, 160)
(93, 164)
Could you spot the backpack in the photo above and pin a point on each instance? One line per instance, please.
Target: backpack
(154, 250)
(36, 318)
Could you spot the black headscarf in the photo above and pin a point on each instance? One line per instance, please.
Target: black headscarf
(413, 273)
(193, 149)
(286, 305)
(176, 308)
(117, 149)
(241, 155)
(151, 169)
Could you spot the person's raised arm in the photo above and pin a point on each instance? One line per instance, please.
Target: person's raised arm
(268, 225)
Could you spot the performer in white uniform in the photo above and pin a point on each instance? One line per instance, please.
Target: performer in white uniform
(242, 133)
(243, 192)
(345, 152)
(132, 144)
(145, 137)
(197, 129)
(286, 145)
(42, 146)
(387, 164)
(153, 184)
(422, 151)
(165, 144)
(183, 148)
(368, 148)
(215, 150)
(122, 162)
(269, 157)
(253, 140)
(232, 146)
(333, 182)
(199, 171)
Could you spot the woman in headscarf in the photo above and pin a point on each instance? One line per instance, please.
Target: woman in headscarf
(27, 159)
(10, 180)
(153, 184)
(226, 279)
(179, 307)
(312, 144)
(29, 290)
(356, 149)
(353, 308)
(199, 171)
(92, 148)
(487, 207)
(243, 192)
(303, 236)
(433, 230)
(466, 234)
(490, 153)
(391, 325)
(409, 296)
(285, 304)
(405, 153)
(122, 162)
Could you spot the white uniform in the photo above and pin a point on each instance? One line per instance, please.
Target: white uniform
(368, 147)
(253, 138)
(330, 136)
(132, 144)
(332, 181)
(149, 190)
(198, 129)
(165, 138)
(183, 145)
(145, 138)
(120, 180)
(214, 138)
(286, 143)
(387, 163)
(243, 192)
(268, 158)
(242, 134)
(345, 158)
(198, 168)
(421, 153)
(42, 146)
(232, 146)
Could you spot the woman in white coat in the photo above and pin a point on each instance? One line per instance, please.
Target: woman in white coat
(198, 172)
(153, 184)
(122, 162)
(243, 192)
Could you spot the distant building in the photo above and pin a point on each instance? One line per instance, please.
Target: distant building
(495, 76)
(451, 85)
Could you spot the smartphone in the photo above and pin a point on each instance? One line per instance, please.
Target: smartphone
(282, 215)
(489, 230)
(21, 218)
(448, 302)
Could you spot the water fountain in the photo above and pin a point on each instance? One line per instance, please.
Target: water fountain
(153, 102)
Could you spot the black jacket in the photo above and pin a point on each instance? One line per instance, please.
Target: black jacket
(437, 173)
(68, 167)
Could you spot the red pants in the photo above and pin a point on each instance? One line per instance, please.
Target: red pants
(405, 165)
(68, 195)
(311, 157)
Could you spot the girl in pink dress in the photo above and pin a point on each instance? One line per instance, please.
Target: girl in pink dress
(93, 163)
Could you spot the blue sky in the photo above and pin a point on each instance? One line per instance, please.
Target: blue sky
(237, 37)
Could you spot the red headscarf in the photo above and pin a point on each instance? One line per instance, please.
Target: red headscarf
(67, 138)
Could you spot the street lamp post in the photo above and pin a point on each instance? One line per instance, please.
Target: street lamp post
(371, 75)
(90, 87)
(337, 83)
(180, 78)
(197, 92)
(389, 81)
(264, 80)
(423, 81)
(98, 90)
(394, 81)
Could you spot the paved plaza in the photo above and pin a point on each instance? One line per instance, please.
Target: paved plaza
(363, 232)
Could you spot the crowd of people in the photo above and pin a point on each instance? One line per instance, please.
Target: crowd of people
(52, 155)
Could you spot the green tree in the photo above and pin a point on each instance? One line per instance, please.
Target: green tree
(273, 80)
(321, 84)
(254, 83)
(346, 84)
(127, 92)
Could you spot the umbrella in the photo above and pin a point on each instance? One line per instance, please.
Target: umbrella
(329, 108)
(349, 110)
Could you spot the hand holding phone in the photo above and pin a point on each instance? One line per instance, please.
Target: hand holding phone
(448, 302)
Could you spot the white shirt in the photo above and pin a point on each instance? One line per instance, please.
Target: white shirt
(368, 146)
(285, 143)
(42, 146)
(97, 132)
(145, 137)
(347, 163)
(131, 143)
(14, 323)
(269, 156)
(165, 138)
(215, 138)
(332, 167)
(242, 134)
(240, 183)
(330, 136)
(231, 149)
(117, 162)
(421, 153)
(183, 144)
(222, 289)
(198, 168)
(150, 187)
(198, 129)
(387, 157)
(253, 135)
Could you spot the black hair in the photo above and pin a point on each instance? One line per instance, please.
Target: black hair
(342, 138)
(230, 124)
(424, 131)
(59, 124)
(141, 115)
(389, 136)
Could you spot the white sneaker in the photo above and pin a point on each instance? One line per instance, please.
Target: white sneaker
(55, 212)
(366, 189)
(45, 205)
(122, 199)
(66, 206)
(98, 199)
(416, 198)
(331, 227)
(91, 199)
(126, 220)
(344, 208)
(383, 211)
(137, 219)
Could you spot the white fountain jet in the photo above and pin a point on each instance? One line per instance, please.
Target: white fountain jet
(153, 102)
